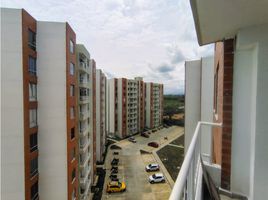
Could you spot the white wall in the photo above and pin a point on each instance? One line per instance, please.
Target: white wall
(98, 114)
(207, 94)
(12, 127)
(148, 105)
(120, 107)
(250, 107)
(192, 98)
(52, 130)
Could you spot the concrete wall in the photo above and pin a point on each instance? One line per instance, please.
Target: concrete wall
(192, 98)
(12, 120)
(98, 114)
(250, 107)
(120, 107)
(111, 102)
(148, 105)
(52, 141)
(207, 91)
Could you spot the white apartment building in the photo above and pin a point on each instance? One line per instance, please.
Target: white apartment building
(154, 105)
(100, 114)
(58, 138)
(85, 112)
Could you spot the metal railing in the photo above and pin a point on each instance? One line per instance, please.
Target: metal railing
(190, 168)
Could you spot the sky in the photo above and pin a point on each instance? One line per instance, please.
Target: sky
(129, 38)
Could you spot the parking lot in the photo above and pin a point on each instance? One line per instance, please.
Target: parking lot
(131, 167)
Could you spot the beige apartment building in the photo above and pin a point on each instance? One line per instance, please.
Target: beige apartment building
(133, 106)
(154, 105)
(85, 73)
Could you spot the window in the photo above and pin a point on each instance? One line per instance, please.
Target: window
(74, 194)
(72, 133)
(34, 191)
(72, 70)
(73, 174)
(33, 118)
(31, 39)
(32, 65)
(72, 110)
(73, 154)
(33, 142)
(32, 92)
(34, 166)
(71, 46)
(72, 90)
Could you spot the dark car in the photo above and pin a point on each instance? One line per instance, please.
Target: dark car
(145, 135)
(154, 130)
(114, 168)
(116, 153)
(153, 144)
(114, 171)
(113, 176)
(115, 161)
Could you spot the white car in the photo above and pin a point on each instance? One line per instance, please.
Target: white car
(152, 167)
(157, 178)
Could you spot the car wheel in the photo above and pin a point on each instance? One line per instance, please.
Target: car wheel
(152, 182)
(163, 181)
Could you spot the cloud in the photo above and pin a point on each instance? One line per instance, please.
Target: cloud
(129, 38)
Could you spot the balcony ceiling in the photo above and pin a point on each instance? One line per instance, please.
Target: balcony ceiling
(216, 20)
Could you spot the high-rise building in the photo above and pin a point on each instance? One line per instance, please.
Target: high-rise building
(154, 105)
(100, 114)
(133, 105)
(58, 135)
(20, 130)
(85, 112)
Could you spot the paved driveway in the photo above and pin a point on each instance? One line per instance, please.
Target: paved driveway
(131, 168)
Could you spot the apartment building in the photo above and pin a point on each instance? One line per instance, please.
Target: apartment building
(130, 103)
(100, 114)
(84, 72)
(58, 132)
(154, 105)
(238, 159)
(19, 106)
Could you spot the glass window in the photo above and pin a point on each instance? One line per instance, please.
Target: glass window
(32, 92)
(73, 174)
(71, 46)
(72, 110)
(32, 65)
(33, 142)
(34, 191)
(74, 194)
(34, 166)
(72, 90)
(72, 133)
(33, 118)
(72, 69)
(31, 39)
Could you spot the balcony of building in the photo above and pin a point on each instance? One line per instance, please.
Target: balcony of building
(83, 128)
(83, 144)
(199, 177)
(85, 188)
(84, 80)
(84, 176)
(83, 160)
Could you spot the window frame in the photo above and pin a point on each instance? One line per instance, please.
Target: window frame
(71, 46)
(32, 69)
(32, 39)
(35, 195)
(35, 141)
(32, 91)
(33, 123)
(72, 69)
(33, 167)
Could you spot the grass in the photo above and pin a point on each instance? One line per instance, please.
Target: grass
(172, 157)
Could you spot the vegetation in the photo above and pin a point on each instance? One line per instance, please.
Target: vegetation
(174, 109)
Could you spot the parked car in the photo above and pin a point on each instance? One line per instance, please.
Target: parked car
(132, 139)
(154, 130)
(116, 153)
(145, 135)
(114, 171)
(152, 167)
(153, 144)
(114, 168)
(116, 186)
(113, 176)
(157, 178)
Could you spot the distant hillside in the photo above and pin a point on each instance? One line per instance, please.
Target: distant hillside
(173, 104)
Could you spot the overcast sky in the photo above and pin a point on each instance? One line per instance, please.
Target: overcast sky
(128, 38)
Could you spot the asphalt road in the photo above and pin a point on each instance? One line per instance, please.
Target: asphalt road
(131, 168)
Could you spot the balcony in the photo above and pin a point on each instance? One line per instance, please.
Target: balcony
(84, 99)
(84, 195)
(83, 145)
(84, 177)
(83, 130)
(83, 67)
(84, 161)
(84, 115)
(84, 83)
(189, 182)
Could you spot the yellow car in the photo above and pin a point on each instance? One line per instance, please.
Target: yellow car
(116, 186)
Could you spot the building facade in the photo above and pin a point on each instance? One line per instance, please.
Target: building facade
(154, 105)
(134, 106)
(19, 106)
(84, 72)
(100, 115)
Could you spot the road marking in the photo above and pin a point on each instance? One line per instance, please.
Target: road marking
(174, 145)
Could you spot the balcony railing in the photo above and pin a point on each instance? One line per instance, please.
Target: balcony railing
(191, 171)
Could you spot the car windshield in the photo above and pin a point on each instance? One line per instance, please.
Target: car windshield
(119, 184)
(154, 176)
